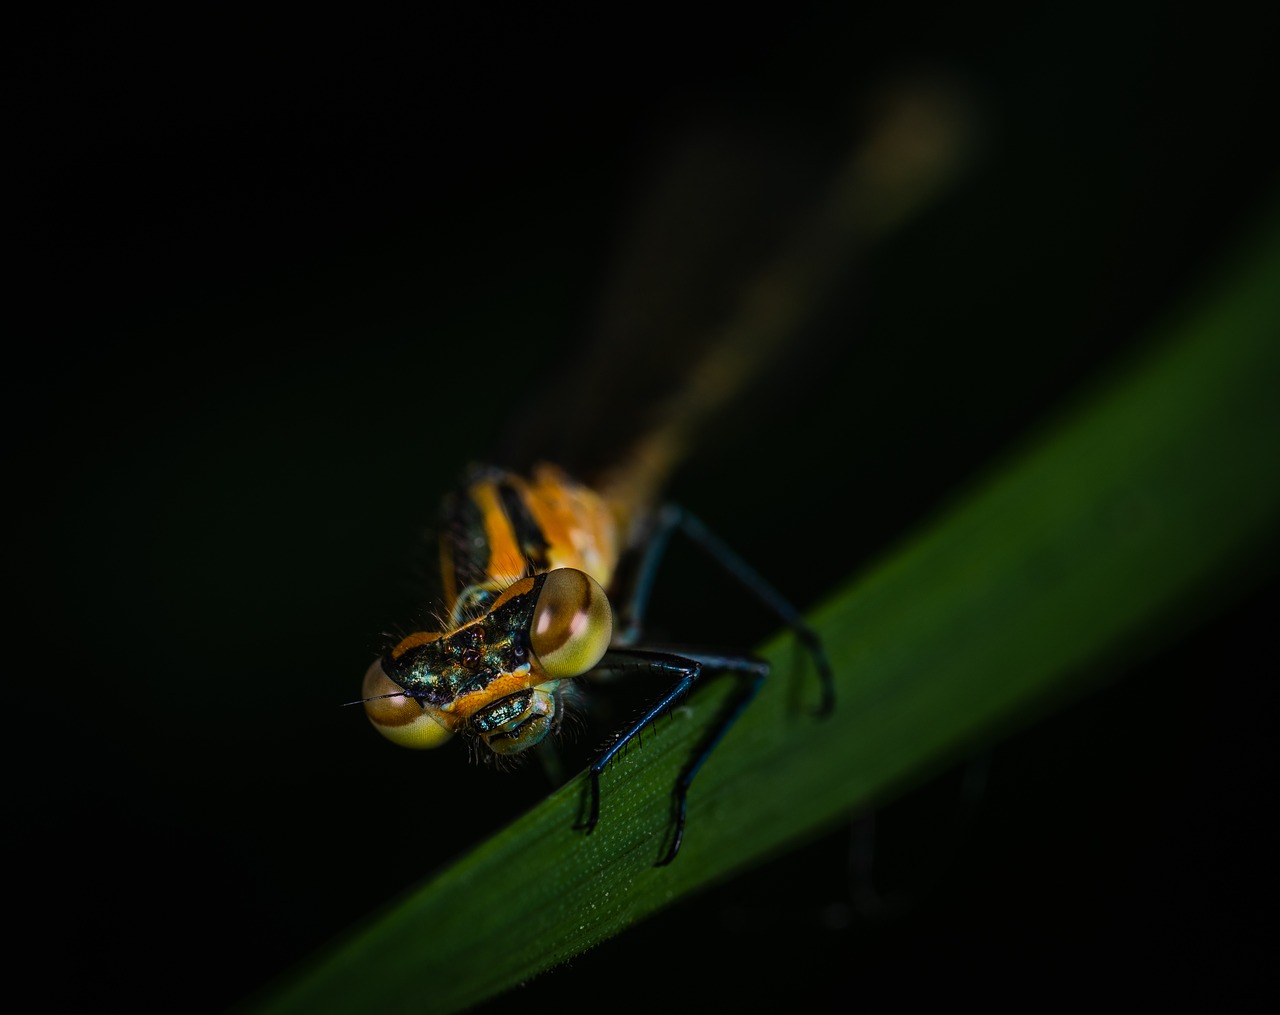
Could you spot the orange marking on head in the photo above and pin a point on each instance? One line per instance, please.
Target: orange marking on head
(511, 591)
(467, 705)
(414, 640)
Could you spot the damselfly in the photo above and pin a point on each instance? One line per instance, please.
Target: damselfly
(527, 562)
(537, 591)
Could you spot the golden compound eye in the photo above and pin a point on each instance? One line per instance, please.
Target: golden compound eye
(400, 719)
(572, 623)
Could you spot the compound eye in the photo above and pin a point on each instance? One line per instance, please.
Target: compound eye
(572, 623)
(400, 719)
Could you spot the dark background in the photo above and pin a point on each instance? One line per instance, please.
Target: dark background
(280, 279)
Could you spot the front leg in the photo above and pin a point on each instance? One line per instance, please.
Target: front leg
(670, 518)
(688, 667)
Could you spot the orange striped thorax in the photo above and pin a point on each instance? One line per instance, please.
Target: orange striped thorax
(503, 527)
(525, 562)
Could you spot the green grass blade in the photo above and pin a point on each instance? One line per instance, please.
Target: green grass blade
(1132, 513)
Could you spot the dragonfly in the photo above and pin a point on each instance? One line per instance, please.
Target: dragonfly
(547, 572)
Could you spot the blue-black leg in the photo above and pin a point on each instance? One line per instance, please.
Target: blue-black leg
(687, 668)
(753, 672)
(672, 517)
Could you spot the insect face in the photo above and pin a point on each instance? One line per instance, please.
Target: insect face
(498, 676)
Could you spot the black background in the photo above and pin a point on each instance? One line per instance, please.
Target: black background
(280, 278)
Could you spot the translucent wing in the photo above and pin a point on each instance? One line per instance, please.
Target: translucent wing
(744, 234)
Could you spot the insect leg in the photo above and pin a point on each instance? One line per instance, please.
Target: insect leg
(754, 671)
(620, 660)
(689, 667)
(672, 517)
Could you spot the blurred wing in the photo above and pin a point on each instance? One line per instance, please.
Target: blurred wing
(744, 235)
